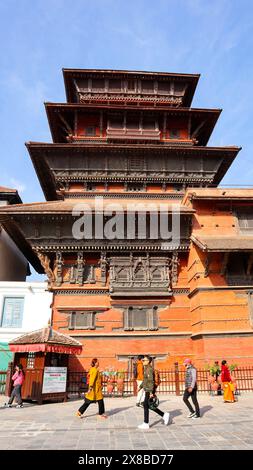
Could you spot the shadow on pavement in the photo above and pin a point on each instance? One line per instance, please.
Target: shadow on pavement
(117, 410)
(205, 409)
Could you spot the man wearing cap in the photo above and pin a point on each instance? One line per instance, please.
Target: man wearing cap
(191, 389)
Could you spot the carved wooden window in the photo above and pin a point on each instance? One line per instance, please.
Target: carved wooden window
(114, 85)
(179, 88)
(82, 321)
(250, 305)
(140, 318)
(245, 219)
(91, 187)
(98, 84)
(82, 84)
(147, 86)
(163, 88)
(135, 187)
(136, 163)
(239, 269)
(30, 360)
(131, 85)
(90, 131)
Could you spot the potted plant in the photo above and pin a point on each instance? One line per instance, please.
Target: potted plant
(109, 375)
(120, 381)
(232, 368)
(212, 377)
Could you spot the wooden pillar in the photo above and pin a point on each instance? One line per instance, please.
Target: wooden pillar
(177, 378)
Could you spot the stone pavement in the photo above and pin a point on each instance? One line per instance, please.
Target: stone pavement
(55, 426)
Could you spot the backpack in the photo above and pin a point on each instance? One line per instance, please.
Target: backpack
(157, 378)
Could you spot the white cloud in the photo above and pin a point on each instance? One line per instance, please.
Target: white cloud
(15, 184)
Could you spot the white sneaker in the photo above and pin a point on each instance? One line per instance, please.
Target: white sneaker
(190, 415)
(166, 418)
(143, 426)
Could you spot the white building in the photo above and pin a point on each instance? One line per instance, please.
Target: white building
(24, 307)
(13, 262)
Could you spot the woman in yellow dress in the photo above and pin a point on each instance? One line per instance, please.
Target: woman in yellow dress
(227, 385)
(94, 393)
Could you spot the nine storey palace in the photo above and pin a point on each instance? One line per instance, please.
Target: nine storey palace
(129, 149)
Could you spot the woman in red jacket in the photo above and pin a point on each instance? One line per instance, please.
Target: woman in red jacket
(227, 385)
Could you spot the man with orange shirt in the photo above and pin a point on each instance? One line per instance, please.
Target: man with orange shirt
(139, 380)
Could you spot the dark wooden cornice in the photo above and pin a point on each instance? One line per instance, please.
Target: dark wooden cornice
(71, 74)
(39, 152)
(206, 118)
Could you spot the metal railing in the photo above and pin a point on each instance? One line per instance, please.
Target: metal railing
(172, 382)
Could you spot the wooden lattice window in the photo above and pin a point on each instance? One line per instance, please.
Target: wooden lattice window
(245, 219)
(82, 320)
(136, 162)
(114, 84)
(147, 85)
(98, 84)
(135, 187)
(163, 87)
(140, 318)
(30, 360)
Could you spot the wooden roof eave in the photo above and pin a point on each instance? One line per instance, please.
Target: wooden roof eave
(70, 74)
(30, 209)
(18, 238)
(205, 248)
(210, 115)
(45, 176)
(37, 151)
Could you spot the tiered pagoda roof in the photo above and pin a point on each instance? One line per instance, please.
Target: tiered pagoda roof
(126, 136)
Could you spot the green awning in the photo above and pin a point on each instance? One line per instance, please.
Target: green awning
(6, 356)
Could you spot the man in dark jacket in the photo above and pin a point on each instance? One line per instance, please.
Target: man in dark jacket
(148, 385)
(191, 389)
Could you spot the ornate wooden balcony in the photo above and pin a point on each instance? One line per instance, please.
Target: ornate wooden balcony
(124, 133)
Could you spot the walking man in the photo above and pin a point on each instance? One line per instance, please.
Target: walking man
(191, 389)
(139, 380)
(148, 385)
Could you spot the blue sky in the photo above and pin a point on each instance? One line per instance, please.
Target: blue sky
(40, 37)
